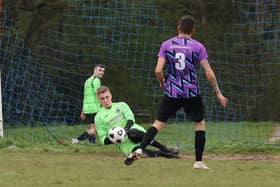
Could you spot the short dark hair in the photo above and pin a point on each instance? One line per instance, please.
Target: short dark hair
(186, 24)
(99, 65)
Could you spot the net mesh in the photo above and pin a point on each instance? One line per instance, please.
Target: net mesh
(42, 84)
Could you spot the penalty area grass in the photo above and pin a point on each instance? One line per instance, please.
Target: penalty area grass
(107, 169)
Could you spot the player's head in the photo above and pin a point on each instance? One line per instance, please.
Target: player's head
(104, 96)
(186, 25)
(99, 70)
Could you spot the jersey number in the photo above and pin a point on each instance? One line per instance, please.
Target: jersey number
(180, 65)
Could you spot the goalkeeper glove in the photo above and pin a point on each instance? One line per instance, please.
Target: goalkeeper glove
(107, 141)
(128, 125)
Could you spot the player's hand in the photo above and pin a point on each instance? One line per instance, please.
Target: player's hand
(126, 130)
(107, 141)
(161, 84)
(83, 116)
(222, 99)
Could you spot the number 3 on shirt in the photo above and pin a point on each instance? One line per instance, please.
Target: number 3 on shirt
(180, 65)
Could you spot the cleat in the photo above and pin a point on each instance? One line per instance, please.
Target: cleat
(75, 141)
(200, 165)
(172, 149)
(130, 159)
(133, 156)
(138, 152)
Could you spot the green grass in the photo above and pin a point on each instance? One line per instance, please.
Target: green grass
(229, 137)
(107, 169)
(238, 153)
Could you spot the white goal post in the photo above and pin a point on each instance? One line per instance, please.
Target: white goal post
(1, 114)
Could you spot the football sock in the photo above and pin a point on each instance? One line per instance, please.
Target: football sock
(199, 144)
(91, 139)
(159, 153)
(156, 144)
(165, 155)
(149, 136)
(150, 153)
(83, 136)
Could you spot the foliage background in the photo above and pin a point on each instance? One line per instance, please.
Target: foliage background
(34, 20)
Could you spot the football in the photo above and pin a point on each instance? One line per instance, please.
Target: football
(117, 134)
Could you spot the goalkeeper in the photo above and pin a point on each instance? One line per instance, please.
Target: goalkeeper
(119, 114)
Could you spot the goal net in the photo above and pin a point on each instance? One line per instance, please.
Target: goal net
(45, 63)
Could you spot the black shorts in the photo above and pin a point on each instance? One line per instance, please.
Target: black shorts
(193, 108)
(90, 118)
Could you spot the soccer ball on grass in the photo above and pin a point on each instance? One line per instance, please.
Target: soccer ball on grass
(116, 134)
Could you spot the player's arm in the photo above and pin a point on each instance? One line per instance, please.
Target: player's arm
(159, 71)
(82, 115)
(210, 75)
(96, 83)
(129, 116)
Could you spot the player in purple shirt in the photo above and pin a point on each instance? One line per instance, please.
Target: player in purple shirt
(182, 55)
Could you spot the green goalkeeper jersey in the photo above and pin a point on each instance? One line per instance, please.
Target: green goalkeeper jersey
(117, 115)
(90, 102)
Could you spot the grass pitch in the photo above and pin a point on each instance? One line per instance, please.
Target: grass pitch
(25, 168)
(31, 157)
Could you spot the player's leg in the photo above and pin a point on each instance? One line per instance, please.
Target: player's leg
(149, 136)
(159, 153)
(150, 153)
(165, 148)
(89, 133)
(137, 136)
(92, 130)
(131, 157)
(82, 137)
(168, 107)
(194, 109)
(200, 140)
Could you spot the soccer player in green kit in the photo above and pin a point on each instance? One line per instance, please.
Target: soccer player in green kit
(114, 114)
(91, 104)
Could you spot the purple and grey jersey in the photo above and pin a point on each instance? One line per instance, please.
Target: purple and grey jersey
(182, 56)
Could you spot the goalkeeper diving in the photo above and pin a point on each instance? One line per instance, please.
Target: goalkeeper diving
(114, 114)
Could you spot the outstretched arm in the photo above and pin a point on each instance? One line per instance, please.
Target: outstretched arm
(210, 75)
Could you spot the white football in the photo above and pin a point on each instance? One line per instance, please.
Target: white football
(117, 134)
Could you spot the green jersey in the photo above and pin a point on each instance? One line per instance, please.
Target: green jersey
(91, 103)
(117, 115)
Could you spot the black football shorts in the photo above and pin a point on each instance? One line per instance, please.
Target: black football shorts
(193, 108)
(90, 118)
